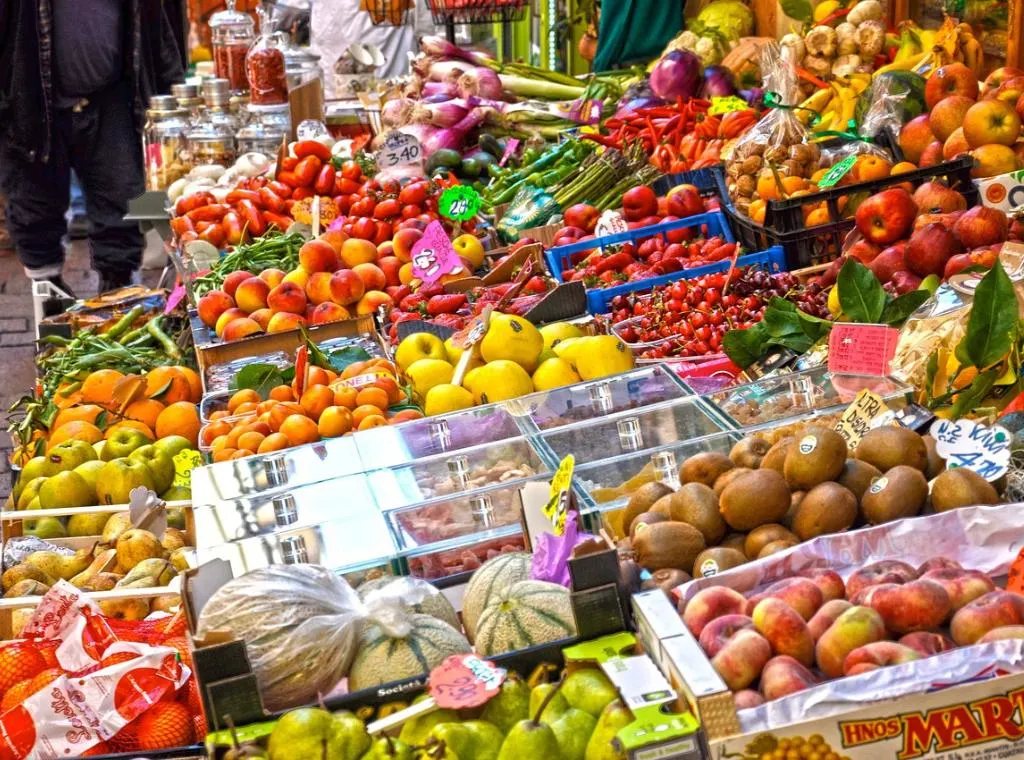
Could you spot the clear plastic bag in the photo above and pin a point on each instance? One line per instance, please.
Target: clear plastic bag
(885, 110)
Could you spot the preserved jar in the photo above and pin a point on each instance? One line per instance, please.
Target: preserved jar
(211, 140)
(265, 67)
(188, 98)
(164, 142)
(267, 127)
(301, 66)
(232, 32)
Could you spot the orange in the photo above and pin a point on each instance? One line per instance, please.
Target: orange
(299, 429)
(273, 442)
(282, 411)
(79, 430)
(390, 387)
(362, 412)
(903, 167)
(372, 421)
(242, 454)
(195, 383)
(756, 211)
(223, 454)
(134, 425)
(818, 216)
(373, 396)
(316, 399)
(145, 410)
(98, 388)
(767, 188)
(250, 440)
(793, 184)
(345, 395)
(82, 413)
(816, 177)
(282, 393)
(870, 167)
(335, 421)
(168, 385)
(213, 430)
(246, 395)
(247, 408)
(180, 418)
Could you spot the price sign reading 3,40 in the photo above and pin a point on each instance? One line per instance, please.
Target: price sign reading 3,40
(399, 149)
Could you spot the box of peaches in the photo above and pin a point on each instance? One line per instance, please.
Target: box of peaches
(80, 684)
(902, 640)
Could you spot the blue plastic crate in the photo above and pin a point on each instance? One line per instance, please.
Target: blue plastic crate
(706, 180)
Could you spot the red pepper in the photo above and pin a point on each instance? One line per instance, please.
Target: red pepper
(243, 195)
(233, 232)
(214, 235)
(212, 212)
(281, 221)
(195, 200)
(251, 218)
(271, 201)
(304, 148)
(307, 170)
(280, 189)
(301, 193)
(325, 180)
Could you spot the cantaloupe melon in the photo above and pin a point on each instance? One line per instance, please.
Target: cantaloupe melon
(434, 604)
(492, 577)
(382, 659)
(524, 614)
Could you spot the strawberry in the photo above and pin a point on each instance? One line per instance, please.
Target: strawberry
(446, 304)
(165, 724)
(18, 662)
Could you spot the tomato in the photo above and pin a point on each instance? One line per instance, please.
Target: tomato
(347, 229)
(414, 193)
(363, 207)
(288, 164)
(214, 235)
(271, 200)
(307, 170)
(251, 218)
(343, 202)
(371, 185)
(212, 212)
(410, 211)
(232, 224)
(390, 186)
(305, 148)
(324, 180)
(383, 232)
(431, 203)
(387, 209)
(412, 224)
(243, 195)
(427, 218)
(280, 189)
(345, 186)
(289, 178)
(191, 202)
(281, 221)
(364, 228)
(351, 170)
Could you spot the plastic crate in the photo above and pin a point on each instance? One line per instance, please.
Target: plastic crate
(705, 180)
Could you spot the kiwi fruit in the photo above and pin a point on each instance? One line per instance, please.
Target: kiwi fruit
(776, 546)
(733, 541)
(666, 579)
(697, 505)
(900, 492)
(961, 487)
(641, 521)
(668, 544)
(749, 452)
(760, 537)
(817, 456)
(936, 464)
(794, 504)
(857, 476)
(826, 508)
(716, 560)
(642, 500)
(776, 456)
(704, 468)
(753, 499)
(726, 477)
(889, 446)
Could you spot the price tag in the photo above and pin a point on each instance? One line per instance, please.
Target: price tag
(981, 448)
(727, 104)
(399, 149)
(858, 349)
(510, 149)
(861, 416)
(433, 255)
(610, 223)
(185, 461)
(463, 681)
(174, 298)
(459, 202)
(557, 507)
(837, 172)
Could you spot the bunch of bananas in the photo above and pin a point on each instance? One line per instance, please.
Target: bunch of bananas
(925, 50)
(834, 104)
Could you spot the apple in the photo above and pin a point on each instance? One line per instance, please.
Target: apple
(932, 155)
(889, 262)
(638, 203)
(1000, 75)
(946, 220)
(886, 216)
(684, 201)
(955, 145)
(172, 445)
(160, 465)
(991, 121)
(930, 248)
(471, 249)
(1009, 91)
(419, 346)
(119, 477)
(948, 114)
(123, 442)
(952, 79)
(582, 215)
(904, 282)
(993, 160)
(981, 226)
(936, 198)
(915, 136)
(864, 251)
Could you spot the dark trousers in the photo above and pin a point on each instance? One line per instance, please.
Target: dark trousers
(99, 141)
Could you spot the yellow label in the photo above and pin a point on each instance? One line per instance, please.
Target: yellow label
(727, 104)
(859, 416)
(185, 461)
(558, 498)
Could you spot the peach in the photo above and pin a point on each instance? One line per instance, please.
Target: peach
(826, 616)
(745, 699)
(742, 659)
(252, 295)
(1001, 633)
(287, 297)
(854, 628)
(233, 279)
(262, 317)
(405, 274)
(993, 610)
(785, 629)
(318, 256)
(936, 563)
(318, 288)
(390, 266)
(387, 248)
(371, 275)
(240, 328)
(886, 571)
(310, 308)
(284, 321)
(828, 582)
(228, 316)
(919, 605)
(334, 238)
(372, 301)
(328, 312)
(720, 630)
(355, 251)
(992, 160)
(926, 643)
(346, 287)
(863, 597)
(783, 675)
(212, 305)
(878, 654)
(273, 277)
(802, 594)
(299, 276)
(963, 586)
(710, 603)
(403, 242)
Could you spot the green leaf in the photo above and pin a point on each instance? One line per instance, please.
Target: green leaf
(800, 10)
(992, 326)
(342, 357)
(288, 374)
(260, 377)
(971, 396)
(860, 293)
(781, 323)
(744, 347)
(814, 327)
(896, 311)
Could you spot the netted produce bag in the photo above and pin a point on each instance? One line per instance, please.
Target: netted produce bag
(884, 111)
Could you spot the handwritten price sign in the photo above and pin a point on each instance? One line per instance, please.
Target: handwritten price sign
(399, 149)
(463, 681)
(981, 448)
(433, 255)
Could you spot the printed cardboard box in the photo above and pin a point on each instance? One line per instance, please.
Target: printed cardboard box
(1004, 192)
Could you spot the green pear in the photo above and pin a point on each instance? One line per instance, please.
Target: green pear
(58, 565)
(46, 527)
(530, 739)
(386, 748)
(510, 705)
(119, 477)
(572, 731)
(37, 467)
(453, 735)
(349, 736)
(589, 690)
(66, 489)
(415, 731)
(310, 733)
(160, 465)
(555, 706)
(68, 455)
(603, 745)
(30, 491)
(87, 525)
(123, 442)
(470, 740)
(91, 472)
(172, 444)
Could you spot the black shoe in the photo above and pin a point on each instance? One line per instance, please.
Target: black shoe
(114, 281)
(78, 228)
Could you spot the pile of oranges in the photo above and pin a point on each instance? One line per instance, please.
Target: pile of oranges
(365, 395)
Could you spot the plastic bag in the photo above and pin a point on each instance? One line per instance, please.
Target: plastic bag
(552, 553)
(885, 109)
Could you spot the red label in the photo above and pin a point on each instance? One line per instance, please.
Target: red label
(861, 349)
(510, 148)
(463, 681)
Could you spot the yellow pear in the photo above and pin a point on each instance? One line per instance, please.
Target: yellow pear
(419, 346)
(554, 373)
(598, 356)
(500, 380)
(513, 339)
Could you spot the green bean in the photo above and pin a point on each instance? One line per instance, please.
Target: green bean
(124, 322)
(169, 346)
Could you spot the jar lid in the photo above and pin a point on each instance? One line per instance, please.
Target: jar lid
(163, 102)
(231, 17)
(239, 100)
(281, 108)
(183, 91)
(215, 85)
(214, 99)
(161, 115)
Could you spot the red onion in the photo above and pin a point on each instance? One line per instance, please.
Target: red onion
(434, 89)
(480, 82)
(396, 112)
(447, 71)
(446, 114)
(442, 48)
(421, 132)
(718, 82)
(677, 75)
(452, 138)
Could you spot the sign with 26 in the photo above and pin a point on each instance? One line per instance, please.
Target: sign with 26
(399, 149)
(459, 202)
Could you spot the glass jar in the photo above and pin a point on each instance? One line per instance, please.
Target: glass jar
(164, 142)
(188, 98)
(267, 127)
(211, 140)
(232, 32)
(300, 65)
(239, 105)
(265, 67)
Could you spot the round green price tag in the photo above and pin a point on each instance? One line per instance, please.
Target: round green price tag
(459, 202)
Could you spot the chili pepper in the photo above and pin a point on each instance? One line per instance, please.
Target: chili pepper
(835, 16)
(616, 262)
(233, 231)
(212, 212)
(270, 201)
(243, 195)
(290, 179)
(807, 76)
(306, 170)
(123, 323)
(304, 148)
(169, 346)
(301, 193)
(251, 218)
(214, 235)
(324, 184)
(193, 201)
(280, 221)
(280, 189)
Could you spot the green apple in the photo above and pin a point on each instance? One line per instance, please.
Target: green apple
(121, 443)
(160, 465)
(91, 472)
(36, 467)
(29, 492)
(98, 447)
(68, 455)
(117, 479)
(66, 489)
(172, 444)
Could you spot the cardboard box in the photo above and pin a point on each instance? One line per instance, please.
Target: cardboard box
(1004, 192)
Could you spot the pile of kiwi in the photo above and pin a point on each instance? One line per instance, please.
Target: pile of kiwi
(764, 497)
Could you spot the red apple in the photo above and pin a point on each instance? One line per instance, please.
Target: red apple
(864, 251)
(955, 145)
(889, 262)
(932, 155)
(981, 226)
(991, 121)
(953, 79)
(936, 198)
(930, 248)
(1000, 75)
(946, 220)
(915, 136)
(948, 114)
(582, 215)
(956, 264)
(1009, 91)
(904, 282)
(684, 201)
(638, 203)
(886, 216)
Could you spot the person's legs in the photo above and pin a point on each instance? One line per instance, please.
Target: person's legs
(78, 221)
(107, 155)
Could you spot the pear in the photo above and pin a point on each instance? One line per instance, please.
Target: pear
(29, 491)
(125, 609)
(176, 517)
(470, 740)
(603, 745)
(182, 559)
(118, 523)
(136, 545)
(70, 454)
(169, 603)
(173, 539)
(59, 565)
(26, 588)
(453, 735)
(529, 739)
(510, 705)
(100, 563)
(87, 525)
(66, 489)
(415, 731)
(348, 737)
(553, 707)
(100, 582)
(572, 731)
(45, 527)
(589, 690)
(22, 572)
(386, 748)
(150, 573)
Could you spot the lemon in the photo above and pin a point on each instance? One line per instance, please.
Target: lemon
(470, 378)
(426, 373)
(598, 356)
(499, 380)
(825, 9)
(445, 398)
(834, 307)
(559, 331)
(564, 347)
(513, 339)
(554, 373)
(419, 346)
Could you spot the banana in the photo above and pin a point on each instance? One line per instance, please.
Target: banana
(969, 48)
(907, 64)
(909, 47)
(816, 102)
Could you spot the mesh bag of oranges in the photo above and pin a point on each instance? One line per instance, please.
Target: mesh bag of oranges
(81, 684)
